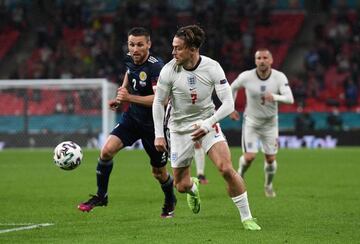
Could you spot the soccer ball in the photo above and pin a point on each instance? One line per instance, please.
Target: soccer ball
(67, 155)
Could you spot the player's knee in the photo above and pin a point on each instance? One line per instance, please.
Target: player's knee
(249, 158)
(107, 153)
(159, 174)
(181, 188)
(226, 170)
(270, 159)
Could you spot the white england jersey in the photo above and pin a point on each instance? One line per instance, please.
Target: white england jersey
(257, 109)
(190, 92)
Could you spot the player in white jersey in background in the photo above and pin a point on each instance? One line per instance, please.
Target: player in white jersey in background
(264, 88)
(189, 80)
(199, 158)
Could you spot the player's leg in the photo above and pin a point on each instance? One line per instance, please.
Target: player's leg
(249, 144)
(158, 162)
(270, 147)
(182, 151)
(122, 135)
(189, 185)
(270, 167)
(219, 152)
(103, 170)
(199, 158)
(245, 161)
(167, 185)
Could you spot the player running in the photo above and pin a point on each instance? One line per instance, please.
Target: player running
(137, 123)
(189, 80)
(264, 88)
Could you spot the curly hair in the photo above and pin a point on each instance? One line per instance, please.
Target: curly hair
(192, 35)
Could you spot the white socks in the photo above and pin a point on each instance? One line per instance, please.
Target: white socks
(242, 204)
(199, 161)
(193, 189)
(243, 166)
(270, 170)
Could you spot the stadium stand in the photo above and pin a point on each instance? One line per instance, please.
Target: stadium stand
(86, 39)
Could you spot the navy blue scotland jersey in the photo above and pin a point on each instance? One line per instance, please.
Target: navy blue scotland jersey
(137, 122)
(142, 78)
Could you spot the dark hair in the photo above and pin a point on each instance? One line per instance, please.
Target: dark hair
(193, 35)
(139, 31)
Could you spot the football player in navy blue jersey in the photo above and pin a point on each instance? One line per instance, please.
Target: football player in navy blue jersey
(137, 123)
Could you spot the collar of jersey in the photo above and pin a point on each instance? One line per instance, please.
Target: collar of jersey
(194, 68)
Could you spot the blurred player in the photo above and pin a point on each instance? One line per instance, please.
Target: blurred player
(199, 158)
(189, 80)
(137, 123)
(264, 88)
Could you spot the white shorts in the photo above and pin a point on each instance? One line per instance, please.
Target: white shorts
(182, 146)
(265, 136)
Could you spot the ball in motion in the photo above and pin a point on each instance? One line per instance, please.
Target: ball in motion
(67, 155)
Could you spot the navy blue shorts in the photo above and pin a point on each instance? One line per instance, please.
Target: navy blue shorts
(130, 130)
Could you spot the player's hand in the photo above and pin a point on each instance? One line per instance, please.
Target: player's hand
(268, 97)
(160, 144)
(235, 115)
(122, 95)
(198, 133)
(113, 104)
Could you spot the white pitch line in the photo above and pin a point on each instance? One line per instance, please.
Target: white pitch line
(26, 227)
(15, 224)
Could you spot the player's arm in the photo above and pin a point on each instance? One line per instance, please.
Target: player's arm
(223, 92)
(114, 103)
(162, 92)
(235, 86)
(158, 110)
(123, 95)
(285, 94)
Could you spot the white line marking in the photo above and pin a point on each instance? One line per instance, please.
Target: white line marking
(25, 227)
(15, 224)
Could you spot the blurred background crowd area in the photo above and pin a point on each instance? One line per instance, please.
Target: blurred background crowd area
(315, 43)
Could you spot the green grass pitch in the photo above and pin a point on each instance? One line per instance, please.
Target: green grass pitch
(318, 201)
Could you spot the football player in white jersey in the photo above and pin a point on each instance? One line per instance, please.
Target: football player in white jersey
(189, 80)
(264, 88)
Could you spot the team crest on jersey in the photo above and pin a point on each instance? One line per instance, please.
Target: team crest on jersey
(191, 81)
(262, 88)
(174, 156)
(142, 76)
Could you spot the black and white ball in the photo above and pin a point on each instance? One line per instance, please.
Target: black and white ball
(68, 155)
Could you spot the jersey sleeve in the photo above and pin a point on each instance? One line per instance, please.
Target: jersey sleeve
(285, 95)
(223, 92)
(237, 84)
(161, 95)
